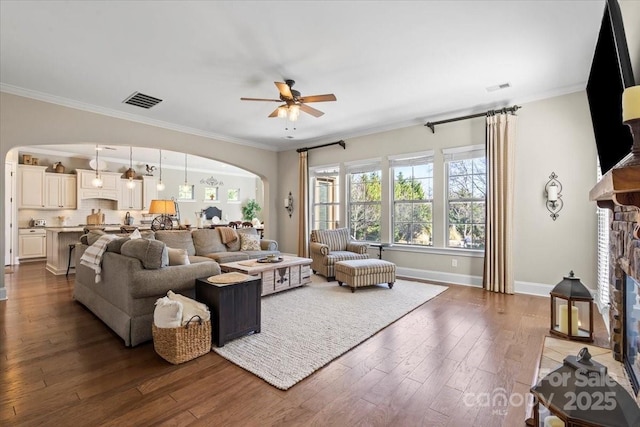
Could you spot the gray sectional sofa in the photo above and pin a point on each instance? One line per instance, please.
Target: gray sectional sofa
(207, 242)
(136, 273)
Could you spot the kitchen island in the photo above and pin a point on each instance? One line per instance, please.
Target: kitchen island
(58, 241)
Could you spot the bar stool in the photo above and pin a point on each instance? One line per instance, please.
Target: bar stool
(72, 246)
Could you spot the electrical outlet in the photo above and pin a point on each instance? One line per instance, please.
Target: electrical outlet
(454, 262)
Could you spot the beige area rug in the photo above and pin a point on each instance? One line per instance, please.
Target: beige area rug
(303, 329)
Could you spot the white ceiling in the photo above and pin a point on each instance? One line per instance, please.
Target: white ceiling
(389, 63)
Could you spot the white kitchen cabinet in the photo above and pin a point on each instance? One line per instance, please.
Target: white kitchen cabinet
(60, 191)
(110, 185)
(32, 243)
(149, 191)
(130, 198)
(31, 188)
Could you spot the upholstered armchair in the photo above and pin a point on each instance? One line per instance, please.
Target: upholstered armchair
(330, 246)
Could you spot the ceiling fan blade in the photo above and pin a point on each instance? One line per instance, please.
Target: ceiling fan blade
(275, 113)
(311, 110)
(260, 99)
(318, 98)
(284, 89)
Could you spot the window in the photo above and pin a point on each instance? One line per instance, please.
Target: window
(466, 169)
(325, 207)
(185, 192)
(211, 194)
(603, 254)
(413, 199)
(233, 195)
(365, 193)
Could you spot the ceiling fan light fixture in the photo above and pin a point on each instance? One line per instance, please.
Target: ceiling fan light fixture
(282, 112)
(294, 112)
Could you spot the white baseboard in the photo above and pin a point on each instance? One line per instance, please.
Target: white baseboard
(3, 294)
(440, 276)
(520, 287)
(531, 288)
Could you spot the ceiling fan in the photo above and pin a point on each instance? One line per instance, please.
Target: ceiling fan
(294, 102)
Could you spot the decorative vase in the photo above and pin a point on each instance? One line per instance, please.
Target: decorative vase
(58, 167)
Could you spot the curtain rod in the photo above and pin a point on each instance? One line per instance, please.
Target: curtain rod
(505, 110)
(340, 143)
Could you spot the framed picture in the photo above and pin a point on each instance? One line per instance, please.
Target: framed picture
(26, 159)
(35, 161)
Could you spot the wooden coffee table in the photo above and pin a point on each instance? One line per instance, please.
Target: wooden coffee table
(289, 273)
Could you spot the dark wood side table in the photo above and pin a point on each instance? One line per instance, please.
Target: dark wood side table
(381, 247)
(235, 307)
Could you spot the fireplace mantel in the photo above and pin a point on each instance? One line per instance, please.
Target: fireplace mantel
(620, 186)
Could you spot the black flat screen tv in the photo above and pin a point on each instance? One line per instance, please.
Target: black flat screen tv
(610, 74)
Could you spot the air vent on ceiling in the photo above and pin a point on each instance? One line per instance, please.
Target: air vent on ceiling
(141, 100)
(498, 87)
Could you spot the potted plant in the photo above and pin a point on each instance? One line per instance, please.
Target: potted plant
(250, 210)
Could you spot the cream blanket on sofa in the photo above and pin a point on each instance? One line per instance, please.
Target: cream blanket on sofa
(92, 257)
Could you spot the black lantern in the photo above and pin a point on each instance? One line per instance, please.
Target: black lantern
(581, 393)
(572, 310)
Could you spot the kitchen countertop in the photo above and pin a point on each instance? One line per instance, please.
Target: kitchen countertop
(76, 229)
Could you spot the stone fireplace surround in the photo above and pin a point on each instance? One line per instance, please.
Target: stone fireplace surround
(624, 260)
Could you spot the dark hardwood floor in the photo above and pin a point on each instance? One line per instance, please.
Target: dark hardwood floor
(61, 366)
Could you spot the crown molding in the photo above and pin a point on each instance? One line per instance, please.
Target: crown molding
(70, 103)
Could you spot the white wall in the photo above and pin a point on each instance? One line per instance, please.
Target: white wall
(631, 16)
(553, 135)
(25, 122)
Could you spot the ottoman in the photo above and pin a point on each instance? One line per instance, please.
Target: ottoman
(365, 272)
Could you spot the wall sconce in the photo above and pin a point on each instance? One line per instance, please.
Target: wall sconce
(553, 189)
(288, 204)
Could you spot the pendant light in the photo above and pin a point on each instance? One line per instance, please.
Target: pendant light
(160, 185)
(131, 184)
(186, 188)
(97, 181)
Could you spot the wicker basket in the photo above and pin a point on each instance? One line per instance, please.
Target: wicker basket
(178, 345)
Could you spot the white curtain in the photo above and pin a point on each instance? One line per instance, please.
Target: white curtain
(498, 261)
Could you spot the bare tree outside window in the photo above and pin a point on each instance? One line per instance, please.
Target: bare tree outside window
(466, 202)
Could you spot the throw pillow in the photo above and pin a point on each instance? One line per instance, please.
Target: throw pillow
(249, 242)
(152, 253)
(178, 256)
(135, 235)
(116, 245)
